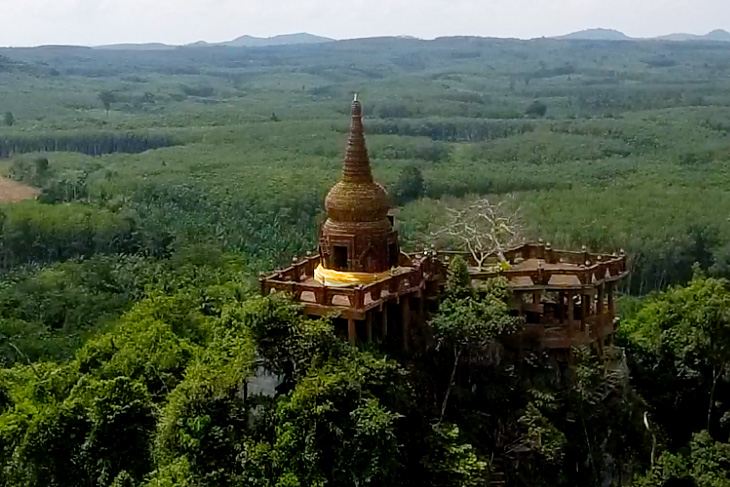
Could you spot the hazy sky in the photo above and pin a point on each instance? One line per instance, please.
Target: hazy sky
(94, 22)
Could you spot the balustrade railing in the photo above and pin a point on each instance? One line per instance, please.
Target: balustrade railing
(295, 281)
(587, 267)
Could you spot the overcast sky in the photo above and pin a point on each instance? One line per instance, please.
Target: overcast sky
(95, 22)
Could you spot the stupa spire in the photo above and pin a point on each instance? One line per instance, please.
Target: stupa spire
(356, 167)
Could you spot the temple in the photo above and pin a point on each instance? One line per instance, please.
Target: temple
(376, 293)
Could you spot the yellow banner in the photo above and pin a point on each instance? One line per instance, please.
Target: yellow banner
(328, 277)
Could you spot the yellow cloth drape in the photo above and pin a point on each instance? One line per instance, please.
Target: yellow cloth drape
(329, 277)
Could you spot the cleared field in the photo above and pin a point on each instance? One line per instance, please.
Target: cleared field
(12, 191)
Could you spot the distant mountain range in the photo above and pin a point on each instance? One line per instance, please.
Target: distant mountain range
(718, 35)
(243, 41)
(715, 35)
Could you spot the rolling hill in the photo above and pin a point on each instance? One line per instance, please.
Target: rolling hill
(715, 35)
(243, 41)
(597, 35)
(718, 35)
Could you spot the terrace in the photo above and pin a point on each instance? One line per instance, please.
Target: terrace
(411, 277)
(565, 297)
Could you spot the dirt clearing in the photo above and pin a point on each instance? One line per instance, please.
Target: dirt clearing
(11, 191)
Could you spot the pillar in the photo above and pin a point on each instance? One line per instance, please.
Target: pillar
(611, 303)
(601, 299)
(406, 323)
(585, 305)
(384, 322)
(369, 326)
(561, 307)
(571, 309)
(599, 344)
(421, 317)
(351, 331)
(421, 311)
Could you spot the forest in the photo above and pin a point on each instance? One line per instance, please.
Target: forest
(135, 350)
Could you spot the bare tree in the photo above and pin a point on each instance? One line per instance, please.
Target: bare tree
(484, 228)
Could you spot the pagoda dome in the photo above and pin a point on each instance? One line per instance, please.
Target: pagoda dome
(357, 198)
(357, 202)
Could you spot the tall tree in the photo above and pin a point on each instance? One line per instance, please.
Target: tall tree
(692, 325)
(536, 109)
(107, 97)
(410, 185)
(467, 321)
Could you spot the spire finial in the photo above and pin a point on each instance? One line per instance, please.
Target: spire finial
(356, 167)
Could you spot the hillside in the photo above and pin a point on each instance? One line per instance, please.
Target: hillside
(718, 35)
(597, 35)
(151, 46)
(280, 40)
(243, 41)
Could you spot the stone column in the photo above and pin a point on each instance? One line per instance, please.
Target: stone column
(601, 299)
(384, 322)
(611, 303)
(351, 331)
(571, 309)
(406, 323)
(421, 310)
(561, 307)
(369, 325)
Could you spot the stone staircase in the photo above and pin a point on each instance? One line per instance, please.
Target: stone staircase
(497, 476)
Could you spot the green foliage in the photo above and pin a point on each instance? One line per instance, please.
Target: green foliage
(687, 329)
(622, 137)
(465, 321)
(458, 280)
(124, 479)
(337, 427)
(47, 313)
(470, 323)
(704, 463)
(199, 91)
(9, 119)
(453, 463)
(125, 297)
(92, 143)
(32, 232)
(288, 345)
(395, 148)
(101, 429)
(536, 109)
(542, 436)
(410, 185)
(107, 97)
(205, 418)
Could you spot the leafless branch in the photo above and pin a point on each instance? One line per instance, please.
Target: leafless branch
(484, 228)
